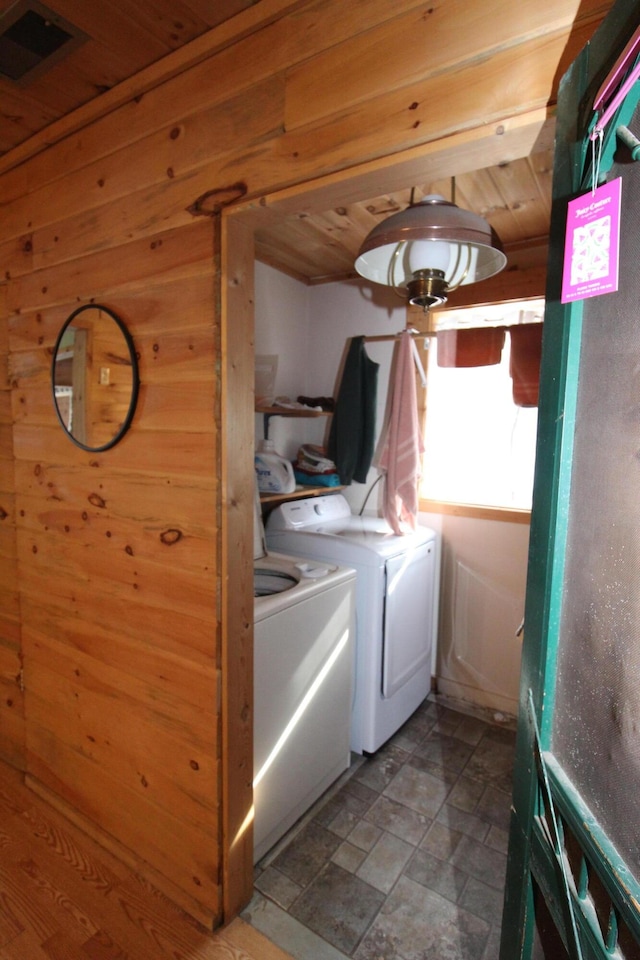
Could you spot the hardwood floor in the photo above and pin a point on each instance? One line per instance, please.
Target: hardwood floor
(63, 897)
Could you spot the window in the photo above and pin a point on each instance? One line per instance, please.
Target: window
(479, 445)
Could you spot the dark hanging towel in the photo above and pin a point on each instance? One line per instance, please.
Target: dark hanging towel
(352, 432)
(526, 352)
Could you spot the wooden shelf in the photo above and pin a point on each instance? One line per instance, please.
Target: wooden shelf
(292, 412)
(300, 491)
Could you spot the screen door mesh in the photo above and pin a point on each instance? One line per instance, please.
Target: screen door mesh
(596, 734)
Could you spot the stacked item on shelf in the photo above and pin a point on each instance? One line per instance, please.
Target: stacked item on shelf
(327, 404)
(313, 468)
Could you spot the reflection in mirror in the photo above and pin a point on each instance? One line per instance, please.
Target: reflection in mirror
(94, 377)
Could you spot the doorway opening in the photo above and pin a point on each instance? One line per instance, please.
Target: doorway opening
(243, 228)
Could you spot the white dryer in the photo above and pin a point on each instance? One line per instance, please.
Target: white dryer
(397, 588)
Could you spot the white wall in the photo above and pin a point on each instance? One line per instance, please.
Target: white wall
(282, 327)
(483, 562)
(483, 585)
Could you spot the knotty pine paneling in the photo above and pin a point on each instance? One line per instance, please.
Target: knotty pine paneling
(231, 70)
(176, 634)
(168, 331)
(249, 72)
(511, 81)
(27, 121)
(183, 406)
(11, 723)
(7, 466)
(425, 41)
(11, 695)
(161, 758)
(78, 644)
(4, 348)
(163, 839)
(213, 14)
(8, 540)
(118, 572)
(165, 257)
(171, 152)
(161, 406)
(180, 454)
(162, 317)
(16, 256)
(151, 33)
(122, 39)
(9, 606)
(5, 406)
(49, 495)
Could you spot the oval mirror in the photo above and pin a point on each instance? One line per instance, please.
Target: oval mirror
(94, 377)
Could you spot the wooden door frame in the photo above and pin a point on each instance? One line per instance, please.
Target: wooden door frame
(235, 229)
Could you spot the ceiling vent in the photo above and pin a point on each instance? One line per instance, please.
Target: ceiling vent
(32, 39)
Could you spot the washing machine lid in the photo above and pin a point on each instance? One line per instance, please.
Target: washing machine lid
(326, 525)
(300, 580)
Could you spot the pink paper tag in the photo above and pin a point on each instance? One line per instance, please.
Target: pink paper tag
(591, 252)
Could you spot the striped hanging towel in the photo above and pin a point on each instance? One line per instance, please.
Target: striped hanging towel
(401, 446)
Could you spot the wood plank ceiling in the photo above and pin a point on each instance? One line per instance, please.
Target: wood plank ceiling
(123, 37)
(514, 197)
(126, 36)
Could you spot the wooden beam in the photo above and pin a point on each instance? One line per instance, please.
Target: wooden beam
(461, 152)
(235, 298)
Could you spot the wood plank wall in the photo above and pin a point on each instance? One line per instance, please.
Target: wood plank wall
(117, 568)
(112, 563)
(11, 695)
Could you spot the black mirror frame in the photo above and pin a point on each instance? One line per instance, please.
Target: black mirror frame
(135, 377)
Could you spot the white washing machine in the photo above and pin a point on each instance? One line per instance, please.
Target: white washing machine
(304, 620)
(396, 604)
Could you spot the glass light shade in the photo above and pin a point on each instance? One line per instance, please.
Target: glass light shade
(431, 235)
(436, 253)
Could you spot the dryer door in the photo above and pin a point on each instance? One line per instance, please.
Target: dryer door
(408, 621)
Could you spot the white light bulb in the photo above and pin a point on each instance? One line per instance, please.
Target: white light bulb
(429, 255)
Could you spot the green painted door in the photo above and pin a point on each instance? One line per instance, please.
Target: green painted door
(573, 879)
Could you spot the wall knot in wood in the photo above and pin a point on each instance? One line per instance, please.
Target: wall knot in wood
(213, 201)
(171, 536)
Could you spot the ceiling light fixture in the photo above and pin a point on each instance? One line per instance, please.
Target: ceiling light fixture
(430, 249)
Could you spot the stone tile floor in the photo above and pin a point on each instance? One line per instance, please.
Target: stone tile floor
(403, 859)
